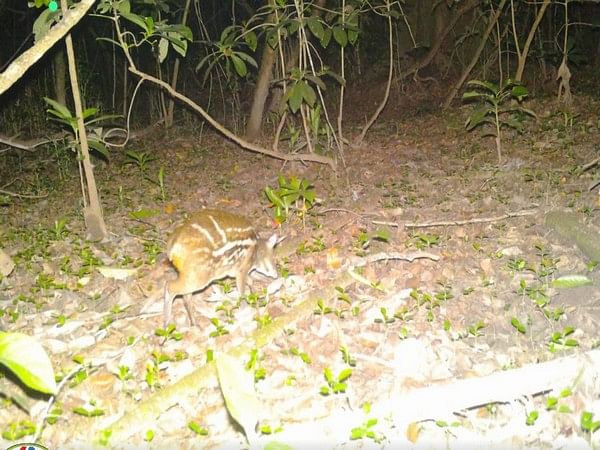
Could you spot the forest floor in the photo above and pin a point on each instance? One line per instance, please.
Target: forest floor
(473, 346)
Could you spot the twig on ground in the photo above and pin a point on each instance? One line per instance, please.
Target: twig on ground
(527, 212)
(14, 194)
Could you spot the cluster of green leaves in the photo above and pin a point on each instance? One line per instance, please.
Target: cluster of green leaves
(335, 384)
(155, 30)
(61, 114)
(495, 107)
(297, 195)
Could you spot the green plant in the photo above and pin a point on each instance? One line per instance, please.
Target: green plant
(588, 424)
(170, 332)
(424, 240)
(254, 364)
(220, 329)
(317, 245)
(302, 355)
(140, 159)
(518, 325)
(89, 409)
(532, 417)
(198, 429)
(63, 115)
(552, 402)
(560, 340)
(365, 430)
(492, 111)
(230, 49)
(322, 309)
(475, 329)
(60, 230)
(346, 357)
(335, 385)
(364, 238)
(17, 430)
(296, 194)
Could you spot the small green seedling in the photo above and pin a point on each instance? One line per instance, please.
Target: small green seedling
(198, 429)
(560, 340)
(149, 436)
(140, 159)
(531, 418)
(588, 424)
(346, 356)
(385, 318)
(296, 194)
(89, 409)
(475, 329)
(366, 429)
(302, 355)
(253, 363)
(335, 385)
(517, 264)
(169, 333)
(124, 373)
(552, 402)
(220, 329)
(424, 240)
(54, 414)
(16, 431)
(60, 230)
(321, 309)
(518, 325)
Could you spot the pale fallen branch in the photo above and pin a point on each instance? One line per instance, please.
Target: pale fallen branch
(446, 223)
(442, 400)
(27, 145)
(15, 194)
(500, 387)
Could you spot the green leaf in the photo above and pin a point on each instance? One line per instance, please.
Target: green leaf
(477, 117)
(26, 358)
(141, 214)
(163, 49)
(487, 85)
(239, 64)
(294, 97)
(274, 445)
(316, 80)
(59, 110)
(272, 39)
(237, 387)
(519, 92)
(344, 375)
(308, 93)
(247, 58)
(251, 40)
(316, 27)
(340, 36)
(326, 39)
(571, 281)
(99, 147)
(518, 325)
(134, 18)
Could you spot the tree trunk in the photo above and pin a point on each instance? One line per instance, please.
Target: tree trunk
(265, 75)
(60, 77)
